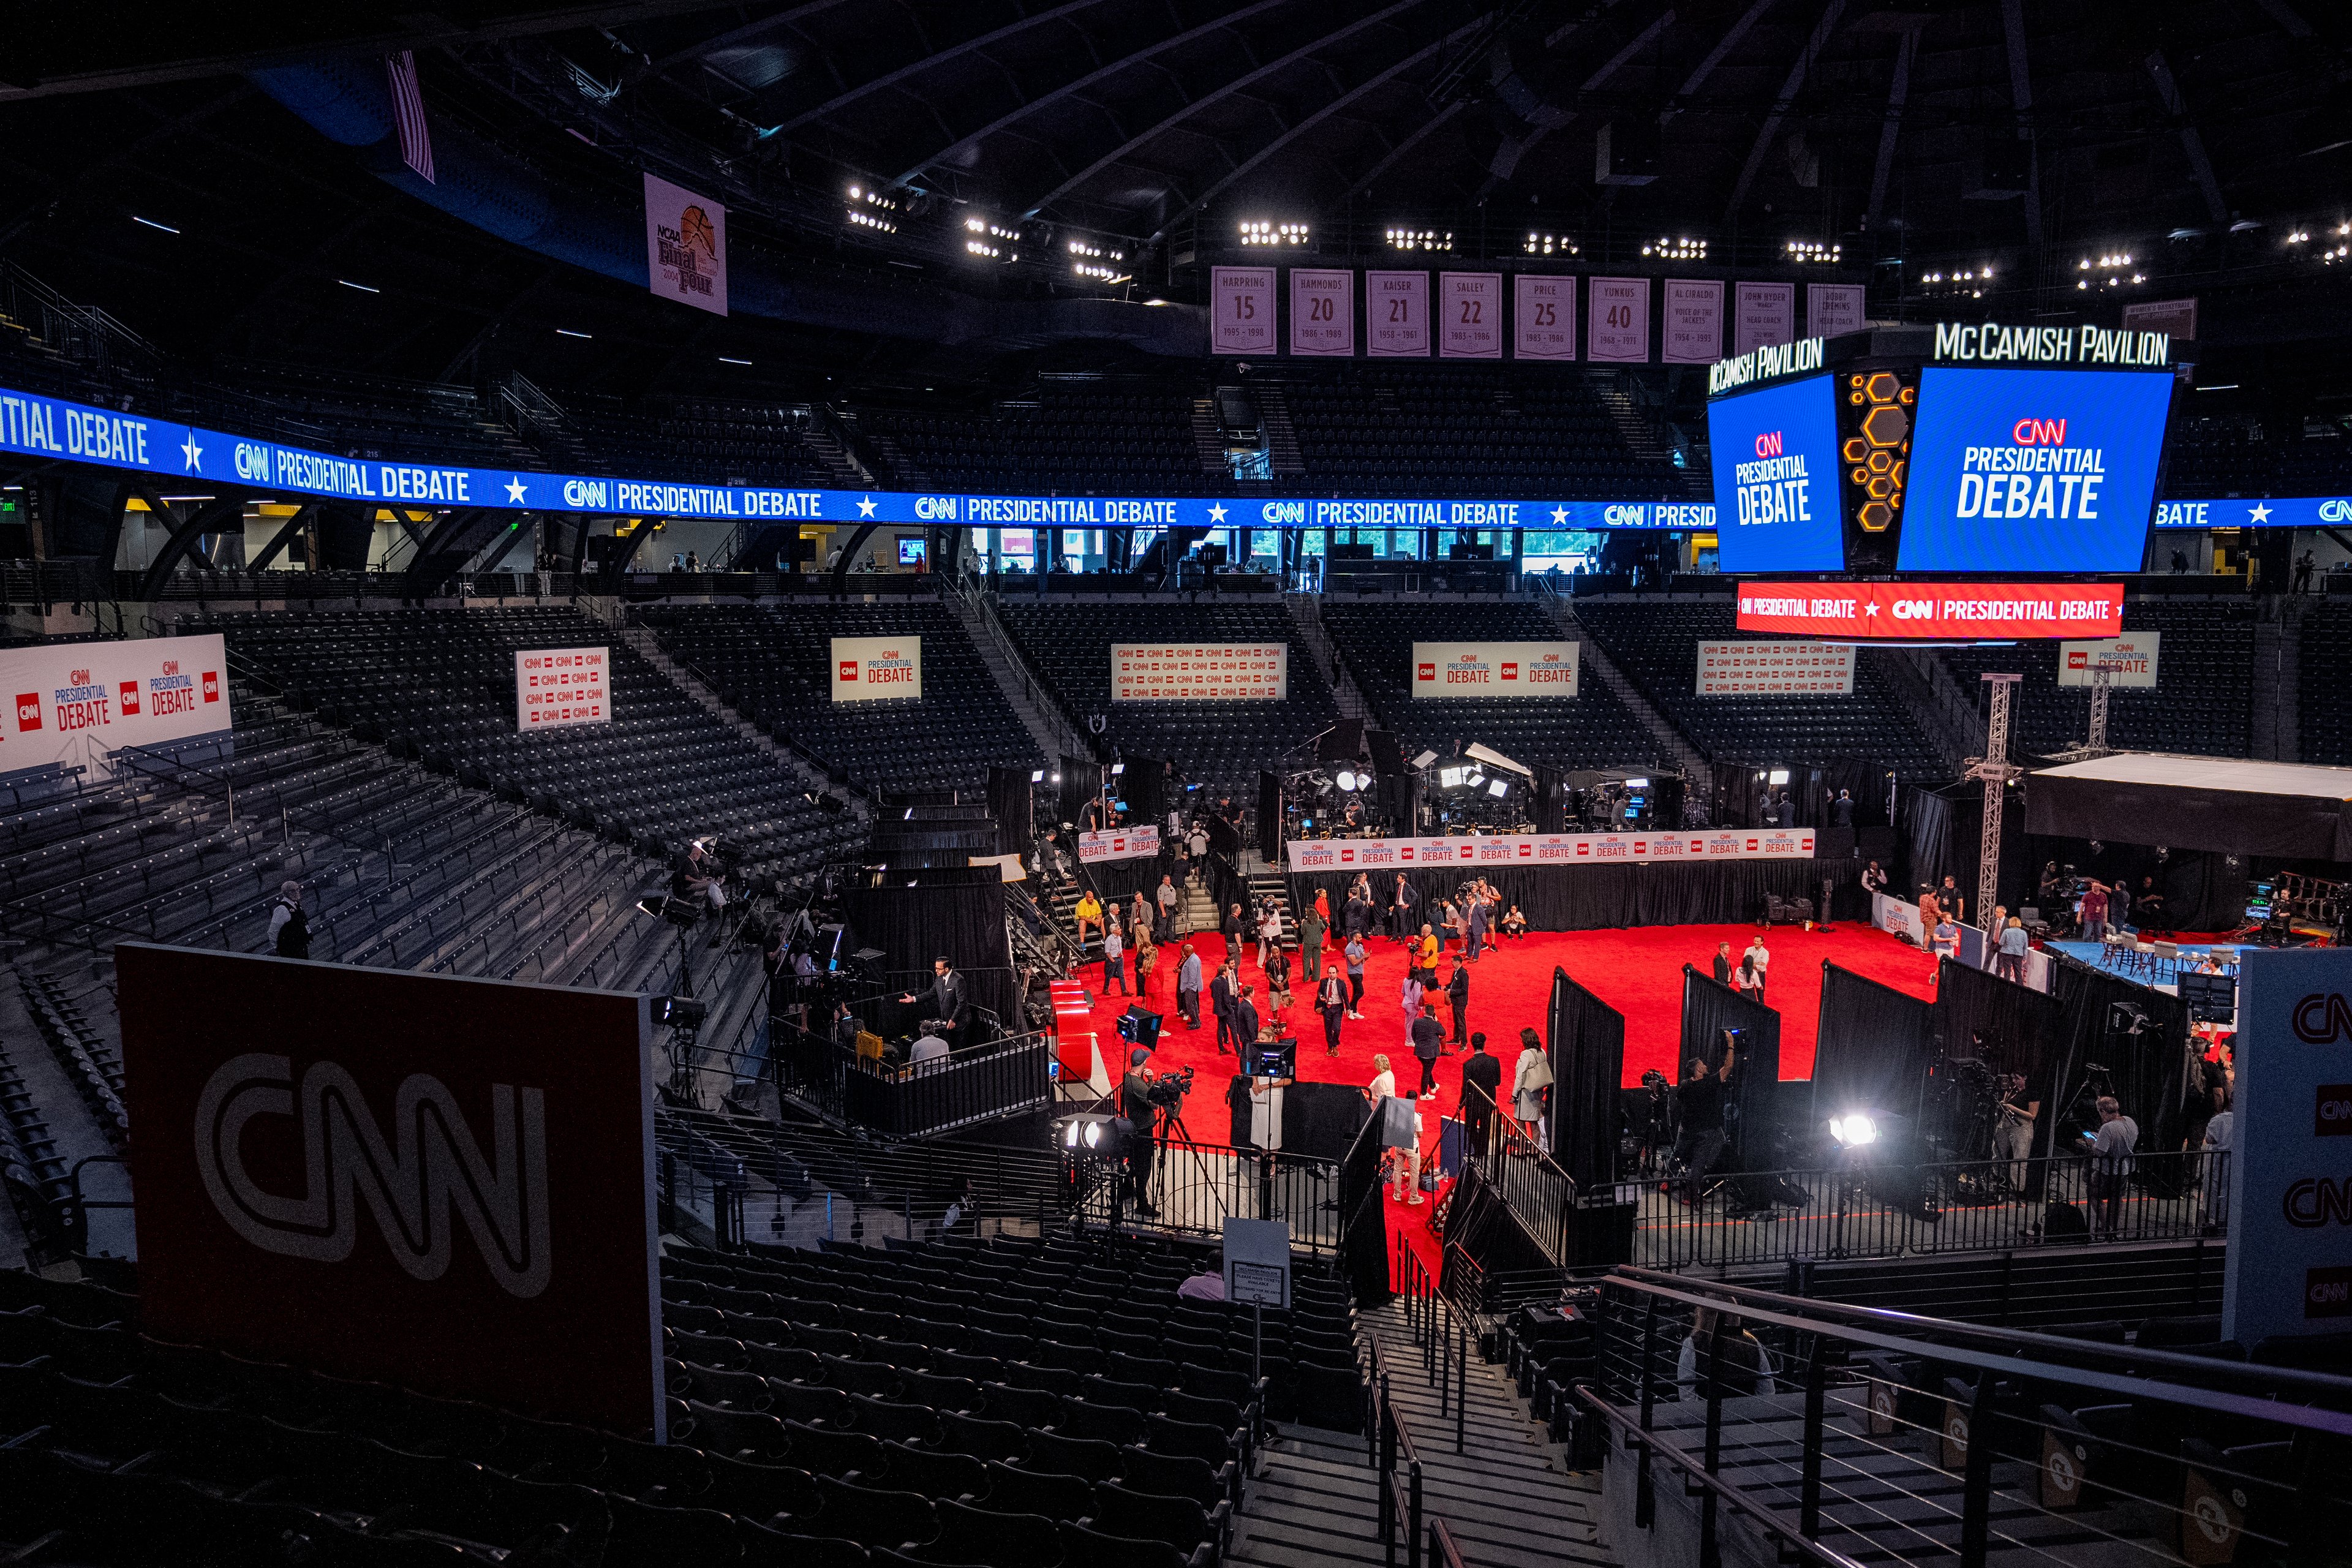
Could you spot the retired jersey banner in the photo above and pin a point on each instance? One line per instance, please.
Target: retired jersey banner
(1192, 672)
(1832, 308)
(1396, 314)
(685, 246)
(1763, 315)
(1619, 332)
(1118, 844)
(76, 702)
(404, 1178)
(558, 687)
(1241, 307)
(1494, 670)
(867, 668)
(1749, 668)
(1548, 848)
(1543, 321)
(1694, 327)
(1470, 315)
(1913, 610)
(2130, 660)
(1322, 312)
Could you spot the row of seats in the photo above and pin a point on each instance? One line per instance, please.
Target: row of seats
(1592, 729)
(775, 665)
(1656, 646)
(2322, 681)
(1220, 744)
(1133, 439)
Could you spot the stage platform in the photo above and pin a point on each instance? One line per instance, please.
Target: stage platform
(2153, 972)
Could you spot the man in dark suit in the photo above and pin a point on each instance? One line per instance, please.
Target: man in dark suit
(1842, 809)
(1402, 920)
(945, 999)
(1482, 1081)
(1723, 963)
(1245, 1021)
(1221, 1001)
(1428, 1040)
(1457, 996)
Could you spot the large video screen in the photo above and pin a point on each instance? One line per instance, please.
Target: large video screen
(2033, 470)
(1776, 478)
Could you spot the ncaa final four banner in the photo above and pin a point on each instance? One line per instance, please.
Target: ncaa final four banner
(865, 670)
(1548, 850)
(77, 702)
(1192, 672)
(685, 246)
(1494, 670)
(1745, 669)
(556, 688)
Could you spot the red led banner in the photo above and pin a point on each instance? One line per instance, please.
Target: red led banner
(1907, 610)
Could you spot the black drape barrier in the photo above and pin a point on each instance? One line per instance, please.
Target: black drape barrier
(2011, 1029)
(2203, 890)
(1872, 1049)
(1587, 1042)
(2235, 822)
(2148, 1071)
(1930, 855)
(901, 842)
(1122, 880)
(1363, 1209)
(1269, 817)
(1011, 801)
(1815, 788)
(1593, 898)
(1140, 787)
(1478, 1219)
(1946, 826)
(955, 912)
(1708, 1009)
(1320, 1121)
(1081, 781)
(1552, 800)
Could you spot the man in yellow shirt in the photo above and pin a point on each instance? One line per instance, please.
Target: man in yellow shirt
(1428, 951)
(1088, 914)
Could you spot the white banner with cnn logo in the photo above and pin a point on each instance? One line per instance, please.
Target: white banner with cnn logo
(1755, 669)
(556, 688)
(867, 668)
(1193, 672)
(77, 702)
(2130, 660)
(1548, 850)
(1494, 668)
(1118, 844)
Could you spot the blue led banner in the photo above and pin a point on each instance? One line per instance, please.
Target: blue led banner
(37, 426)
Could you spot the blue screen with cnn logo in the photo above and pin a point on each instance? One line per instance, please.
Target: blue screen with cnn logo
(2033, 470)
(1776, 478)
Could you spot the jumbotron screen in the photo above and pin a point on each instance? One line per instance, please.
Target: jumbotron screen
(1776, 478)
(2033, 470)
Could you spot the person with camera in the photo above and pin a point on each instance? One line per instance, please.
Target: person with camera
(1138, 1104)
(1700, 1143)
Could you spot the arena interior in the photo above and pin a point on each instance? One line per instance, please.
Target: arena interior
(865, 782)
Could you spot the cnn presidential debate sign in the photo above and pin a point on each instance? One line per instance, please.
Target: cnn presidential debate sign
(1548, 850)
(2289, 1268)
(414, 1179)
(76, 703)
(1494, 670)
(866, 670)
(1192, 672)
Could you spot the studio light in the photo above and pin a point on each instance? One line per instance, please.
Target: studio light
(1091, 1133)
(1116, 769)
(1449, 778)
(1475, 778)
(1423, 760)
(1348, 781)
(1778, 777)
(1499, 788)
(1637, 783)
(1853, 1129)
(1037, 775)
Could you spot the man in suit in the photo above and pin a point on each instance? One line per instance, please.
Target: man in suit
(1723, 963)
(1457, 996)
(1332, 997)
(945, 998)
(1481, 913)
(1482, 1081)
(1220, 1001)
(1428, 1040)
(1400, 911)
(1842, 809)
(1245, 1021)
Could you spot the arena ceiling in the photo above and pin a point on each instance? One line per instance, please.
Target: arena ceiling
(1918, 135)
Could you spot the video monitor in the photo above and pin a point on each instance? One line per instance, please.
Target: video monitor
(2033, 470)
(2209, 998)
(1776, 478)
(912, 551)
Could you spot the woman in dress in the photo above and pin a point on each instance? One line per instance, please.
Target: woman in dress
(1530, 1080)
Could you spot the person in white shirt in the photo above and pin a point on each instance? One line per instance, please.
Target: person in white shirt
(2112, 1164)
(927, 1046)
(1405, 1156)
(1758, 957)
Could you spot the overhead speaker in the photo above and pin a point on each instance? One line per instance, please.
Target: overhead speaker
(1625, 152)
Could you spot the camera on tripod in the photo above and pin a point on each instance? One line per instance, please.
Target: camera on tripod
(1167, 1093)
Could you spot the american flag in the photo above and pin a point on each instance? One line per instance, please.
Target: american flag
(408, 110)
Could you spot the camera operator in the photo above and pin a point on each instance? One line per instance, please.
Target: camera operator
(1142, 1095)
(1700, 1143)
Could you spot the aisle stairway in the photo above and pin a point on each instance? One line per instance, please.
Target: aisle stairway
(1508, 1496)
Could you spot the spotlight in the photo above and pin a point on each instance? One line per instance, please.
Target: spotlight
(1058, 778)
(1853, 1129)
(1423, 760)
(1449, 778)
(1475, 778)
(1637, 783)
(1499, 788)
(1091, 1133)
(1779, 776)
(1037, 775)
(1348, 780)
(1116, 769)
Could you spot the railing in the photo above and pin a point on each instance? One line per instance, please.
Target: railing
(1538, 1193)
(1444, 1332)
(980, 1083)
(1195, 1187)
(1400, 1515)
(1886, 1210)
(1836, 1431)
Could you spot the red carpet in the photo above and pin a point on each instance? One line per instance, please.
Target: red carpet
(1637, 972)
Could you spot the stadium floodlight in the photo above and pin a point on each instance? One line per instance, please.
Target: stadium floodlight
(1499, 788)
(1450, 778)
(1116, 769)
(1853, 1129)
(1260, 231)
(568, 333)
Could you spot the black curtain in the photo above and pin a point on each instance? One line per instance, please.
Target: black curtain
(1929, 856)
(956, 912)
(1946, 829)
(1269, 817)
(1708, 1009)
(2204, 889)
(1587, 1044)
(2148, 1071)
(1011, 799)
(2012, 1029)
(1488, 1232)
(1122, 880)
(1552, 800)
(1140, 787)
(1596, 898)
(1872, 1049)
(1081, 781)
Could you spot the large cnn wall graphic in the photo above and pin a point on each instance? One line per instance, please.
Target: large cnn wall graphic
(440, 1182)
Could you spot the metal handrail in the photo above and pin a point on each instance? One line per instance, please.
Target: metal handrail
(2006, 1350)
